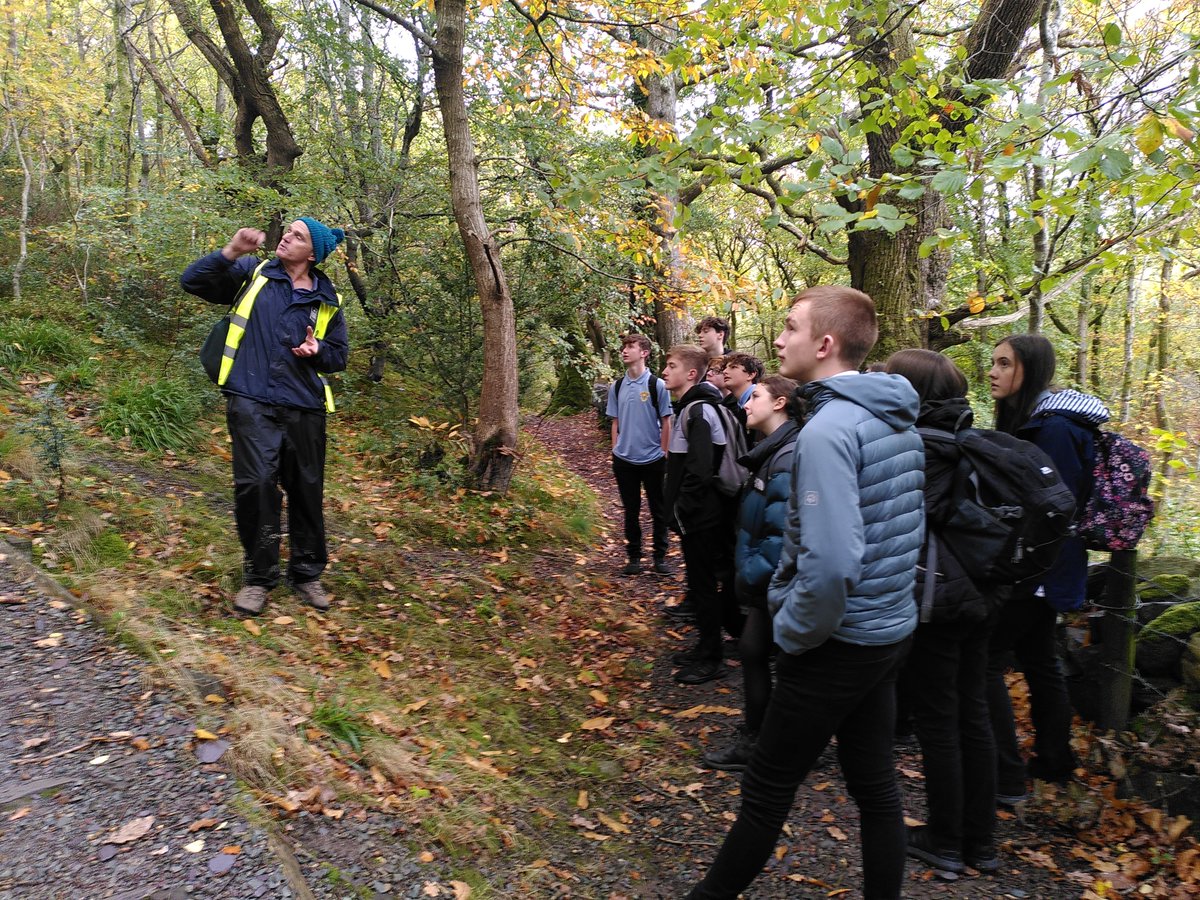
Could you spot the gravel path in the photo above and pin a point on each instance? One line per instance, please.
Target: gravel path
(101, 794)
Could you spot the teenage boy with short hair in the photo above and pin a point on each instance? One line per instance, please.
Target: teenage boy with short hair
(695, 507)
(640, 408)
(711, 334)
(841, 597)
(742, 373)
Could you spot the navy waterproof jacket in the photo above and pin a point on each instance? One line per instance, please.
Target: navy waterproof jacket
(1064, 424)
(265, 369)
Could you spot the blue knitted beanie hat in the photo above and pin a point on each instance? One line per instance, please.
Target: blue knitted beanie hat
(324, 238)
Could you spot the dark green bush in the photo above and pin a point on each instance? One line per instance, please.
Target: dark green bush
(28, 343)
(154, 415)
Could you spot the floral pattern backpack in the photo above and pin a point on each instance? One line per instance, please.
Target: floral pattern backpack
(1119, 507)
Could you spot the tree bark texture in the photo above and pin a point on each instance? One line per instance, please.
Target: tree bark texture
(245, 72)
(673, 322)
(889, 267)
(495, 440)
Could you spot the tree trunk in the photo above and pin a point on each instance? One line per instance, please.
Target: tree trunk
(1048, 38)
(246, 73)
(23, 223)
(495, 440)
(673, 322)
(888, 267)
(1129, 321)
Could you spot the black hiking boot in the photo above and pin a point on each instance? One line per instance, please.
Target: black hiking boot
(733, 758)
(633, 567)
(702, 670)
(921, 846)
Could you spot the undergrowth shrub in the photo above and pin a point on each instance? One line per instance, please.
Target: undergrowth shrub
(28, 343)
(154, 415)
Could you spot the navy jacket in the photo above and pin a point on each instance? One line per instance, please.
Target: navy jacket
(265, 369)
(1064, 425)
(762, 514)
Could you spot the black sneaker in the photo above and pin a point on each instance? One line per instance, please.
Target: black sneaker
(733, 758)
(686, 657)
(684, 612)
(1039, 771)
(662, 568)
(633, 567)
(920, 846)
(702, 670)
(982, 858)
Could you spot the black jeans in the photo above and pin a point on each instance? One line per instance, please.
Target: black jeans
(277, 446)
(632, 478)
(946, 675)
(835, 689)
(1026, 628)
(704, 563)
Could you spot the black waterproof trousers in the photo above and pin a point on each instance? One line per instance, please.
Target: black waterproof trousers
(274, 447)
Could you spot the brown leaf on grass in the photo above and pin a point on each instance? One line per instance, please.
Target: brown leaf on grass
(284, 620)
(414, 706)
(600, 697)
(581, 822)
(202, 823)
(462, 890)
(613, 824)
(597, 724)
(582, 800)
(483, 765)
(381, 668)
(251, 626)
(425, 856)
(204, 734)
(130, 831)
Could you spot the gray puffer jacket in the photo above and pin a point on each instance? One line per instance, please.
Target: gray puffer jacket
(855, 519)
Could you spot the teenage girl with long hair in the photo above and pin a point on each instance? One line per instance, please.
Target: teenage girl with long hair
(945, 676)
(1063, 424)
(772, 413)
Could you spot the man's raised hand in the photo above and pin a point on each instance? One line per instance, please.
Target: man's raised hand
(247, 240)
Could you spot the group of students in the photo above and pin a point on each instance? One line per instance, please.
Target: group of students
(812, 566)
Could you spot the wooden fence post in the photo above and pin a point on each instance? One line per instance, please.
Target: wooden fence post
(1117, 633)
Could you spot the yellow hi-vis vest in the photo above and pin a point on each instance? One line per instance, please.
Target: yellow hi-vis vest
(239, 317)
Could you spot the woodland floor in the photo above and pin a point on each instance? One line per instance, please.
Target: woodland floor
(78, 710)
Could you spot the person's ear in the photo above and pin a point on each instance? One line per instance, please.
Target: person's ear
(779, 403)
(826, 348)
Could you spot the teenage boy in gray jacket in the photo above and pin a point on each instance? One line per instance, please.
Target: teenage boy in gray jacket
(842, 596)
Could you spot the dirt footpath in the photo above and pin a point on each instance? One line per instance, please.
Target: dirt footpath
(101, 793)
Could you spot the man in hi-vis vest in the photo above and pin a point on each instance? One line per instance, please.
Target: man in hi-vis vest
(286, 333)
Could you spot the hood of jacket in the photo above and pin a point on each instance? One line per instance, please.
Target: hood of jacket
(947, 415)
(765, 448)
(890, 398)
(1081, 407)
(701, 391)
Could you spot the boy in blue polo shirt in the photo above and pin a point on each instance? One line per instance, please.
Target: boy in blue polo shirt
(640, 408)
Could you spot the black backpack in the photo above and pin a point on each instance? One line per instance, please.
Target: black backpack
(1010, 511)
(730, 474)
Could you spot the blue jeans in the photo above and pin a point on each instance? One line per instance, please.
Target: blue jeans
(837, 689)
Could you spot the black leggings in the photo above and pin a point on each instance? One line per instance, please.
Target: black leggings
(754, 648)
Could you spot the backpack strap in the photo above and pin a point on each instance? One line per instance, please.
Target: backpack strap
(931, 564)
(653, 386)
